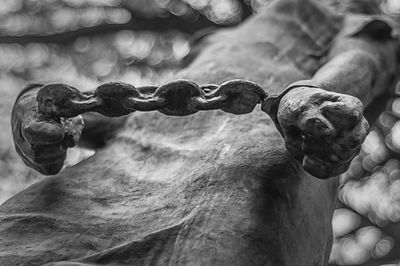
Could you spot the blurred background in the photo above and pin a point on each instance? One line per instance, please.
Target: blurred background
(85, 43)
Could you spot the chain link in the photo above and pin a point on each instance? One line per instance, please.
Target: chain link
(182, 97)
(177, 98)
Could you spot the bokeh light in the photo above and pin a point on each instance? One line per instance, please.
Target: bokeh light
(86, 42)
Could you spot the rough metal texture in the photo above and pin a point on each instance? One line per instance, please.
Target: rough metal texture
(39, 140)
(323, 129)
(211, 188)
(177, 98)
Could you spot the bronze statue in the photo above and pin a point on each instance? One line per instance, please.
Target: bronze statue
(307, 119)
(209, 188)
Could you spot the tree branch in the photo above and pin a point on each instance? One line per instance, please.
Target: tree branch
(136, 23)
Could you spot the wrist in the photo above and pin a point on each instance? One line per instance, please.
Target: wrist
(26, 100)
(298, 91)
(271, 104)
(29, 90)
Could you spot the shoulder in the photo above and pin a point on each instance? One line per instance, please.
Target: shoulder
(377, 27)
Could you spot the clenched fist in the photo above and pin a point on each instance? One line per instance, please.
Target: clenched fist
(40, 140)
(323, 129)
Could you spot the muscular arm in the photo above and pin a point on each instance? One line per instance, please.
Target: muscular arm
(363, 65)
(324, 129)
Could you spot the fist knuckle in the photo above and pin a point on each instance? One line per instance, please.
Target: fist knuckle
(47, 154)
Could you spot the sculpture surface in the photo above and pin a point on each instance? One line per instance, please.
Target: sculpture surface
(211, 188)
(327, 126)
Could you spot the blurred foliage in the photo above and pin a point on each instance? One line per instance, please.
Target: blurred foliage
(48, 17)
(107, 38)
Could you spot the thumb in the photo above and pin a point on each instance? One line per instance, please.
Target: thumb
(42, 132)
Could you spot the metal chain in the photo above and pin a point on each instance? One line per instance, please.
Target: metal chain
(181, 98)
(177, 98)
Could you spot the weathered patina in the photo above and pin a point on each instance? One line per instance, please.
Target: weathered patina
(322, 129)
(211, 188)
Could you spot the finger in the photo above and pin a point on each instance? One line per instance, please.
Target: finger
(42, 132)
(344, 114)
(395, 107)
(47, 154)
(356, 169)
(50, 168)
(373, 140)
(375, 149)
(317, 125)
(49, 164)
(391, 166)
(49, 159)
(322, 143)
(380, 154)
(355, 137)
(386, 121)
(394, 138)
(351, 253)
(344, 221)
(383, 247)
(368, 237)
(328, 150)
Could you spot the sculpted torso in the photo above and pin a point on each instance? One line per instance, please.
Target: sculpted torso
(207, 189)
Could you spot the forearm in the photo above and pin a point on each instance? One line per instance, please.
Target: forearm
(353, 72)
(360, 67)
